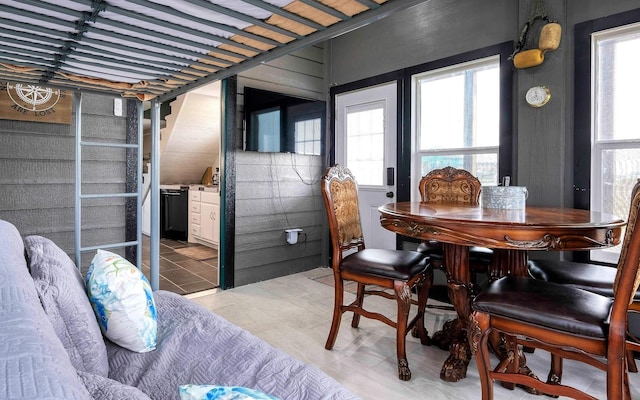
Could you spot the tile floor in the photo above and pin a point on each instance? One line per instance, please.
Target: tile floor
(294, 314)
(178, 273)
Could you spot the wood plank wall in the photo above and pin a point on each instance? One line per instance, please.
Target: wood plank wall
(37, 177)
(277, 191)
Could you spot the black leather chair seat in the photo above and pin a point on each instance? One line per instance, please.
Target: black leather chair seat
(592, 277)
(394, 264)
(555, 306)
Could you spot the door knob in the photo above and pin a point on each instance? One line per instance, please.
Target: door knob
(390, 195)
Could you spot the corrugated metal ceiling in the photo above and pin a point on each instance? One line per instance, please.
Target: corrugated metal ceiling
(161, 48)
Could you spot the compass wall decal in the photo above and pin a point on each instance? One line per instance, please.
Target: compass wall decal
(33, 97)
(33, 102)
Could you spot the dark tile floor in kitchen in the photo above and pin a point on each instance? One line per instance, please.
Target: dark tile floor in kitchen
(178, 273)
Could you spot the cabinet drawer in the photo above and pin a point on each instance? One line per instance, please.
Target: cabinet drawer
(195, 218)
(194, 195)
(210, 197)
(194, 229)
(195, 207)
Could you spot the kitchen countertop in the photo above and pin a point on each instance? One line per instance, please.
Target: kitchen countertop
(204, 188)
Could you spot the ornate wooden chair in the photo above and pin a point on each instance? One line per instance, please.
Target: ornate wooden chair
(564, 320)
(592, 277)
(398, 270)
(451, 185)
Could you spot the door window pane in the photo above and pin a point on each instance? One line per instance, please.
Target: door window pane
(365, 144)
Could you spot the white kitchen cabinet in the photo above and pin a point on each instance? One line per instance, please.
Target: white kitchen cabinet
(208, 220)
(204, 221)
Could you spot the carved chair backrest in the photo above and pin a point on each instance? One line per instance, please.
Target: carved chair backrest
(626, 282)
(340, 194)
(628, 273)
(450, 185)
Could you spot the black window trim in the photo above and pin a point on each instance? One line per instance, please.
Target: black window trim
(506, 153)
(582, 107)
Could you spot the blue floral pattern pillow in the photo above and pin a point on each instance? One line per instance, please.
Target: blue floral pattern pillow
(215, 392)
(122, 301)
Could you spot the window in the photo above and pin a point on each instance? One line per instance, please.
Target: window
(476, 112)
(308, 133)
(365, 137)
(306, 121)
(615, 136)
(266, 125)
(456, 119)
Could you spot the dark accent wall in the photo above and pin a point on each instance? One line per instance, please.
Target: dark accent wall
(37, 177)
(230, 126)
(441, 28)
(543, 159)
(132, 183)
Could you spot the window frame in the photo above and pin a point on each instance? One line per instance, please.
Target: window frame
(506, 147)
(507, 155)
(583, 109)
(469, 97)
(305, 112)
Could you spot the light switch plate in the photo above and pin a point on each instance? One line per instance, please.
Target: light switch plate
(117, 107)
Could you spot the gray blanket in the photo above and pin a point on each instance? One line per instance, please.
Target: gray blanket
(199, 347)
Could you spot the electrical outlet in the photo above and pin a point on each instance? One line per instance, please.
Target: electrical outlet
(292, 235)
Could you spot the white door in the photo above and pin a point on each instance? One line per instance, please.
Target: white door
(366, 144)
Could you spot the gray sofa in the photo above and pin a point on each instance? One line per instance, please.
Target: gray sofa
(51, 346)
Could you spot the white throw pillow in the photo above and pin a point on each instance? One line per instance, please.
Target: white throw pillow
(215, 392)
(122, 301)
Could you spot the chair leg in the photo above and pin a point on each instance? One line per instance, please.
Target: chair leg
(617, 381)
(555, 373)
(359, 301)
(419, 330)
(514, 366)
(483, 357)
(337, 311)
(631, 362)
(627, 389)
(403, 297)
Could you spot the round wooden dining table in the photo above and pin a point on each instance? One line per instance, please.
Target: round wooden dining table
(511, 233)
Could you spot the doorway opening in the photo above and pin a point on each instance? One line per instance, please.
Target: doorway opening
(189, 171)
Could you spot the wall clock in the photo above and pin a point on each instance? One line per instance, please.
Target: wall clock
(538, 96)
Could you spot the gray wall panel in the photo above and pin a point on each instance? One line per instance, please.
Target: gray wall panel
(440, 28)
(37, 182)
(291, 204)
(276, 191)
(268, 271)
(47, 146)
(276, 224)
(36, 171)
(429, 31)
(584, 10)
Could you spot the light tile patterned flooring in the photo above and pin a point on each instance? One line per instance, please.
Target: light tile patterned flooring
(293, 313)
(178, 273)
